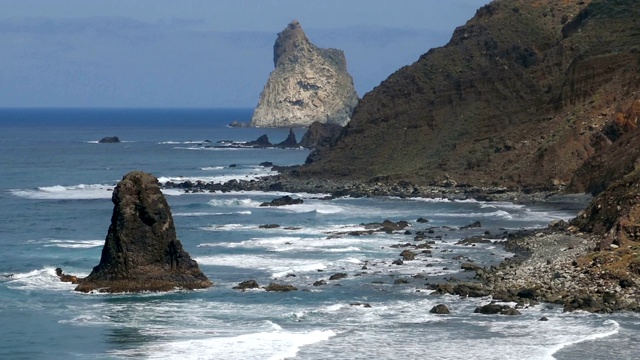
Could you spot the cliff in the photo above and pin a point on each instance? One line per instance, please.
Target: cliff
(522, 95)
(141, 251)
(308, 84)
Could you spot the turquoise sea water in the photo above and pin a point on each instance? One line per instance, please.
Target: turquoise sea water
(55, 190)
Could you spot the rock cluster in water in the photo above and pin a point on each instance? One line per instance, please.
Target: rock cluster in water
(141, 251)
(308, 84)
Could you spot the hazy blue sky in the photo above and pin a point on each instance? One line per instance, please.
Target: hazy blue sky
(197, 53)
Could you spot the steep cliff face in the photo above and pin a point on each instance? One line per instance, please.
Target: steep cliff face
(518, 98)
(308, 84)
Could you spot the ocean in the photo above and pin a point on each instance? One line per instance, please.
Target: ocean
(55, 207)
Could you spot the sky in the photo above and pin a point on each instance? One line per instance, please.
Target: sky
(197, 53)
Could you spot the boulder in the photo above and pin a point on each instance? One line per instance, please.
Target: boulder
(440, 309)
(308, 84)
(470, 266)
(141, 250)
(491, 309)
(109, 140)
(280, 287)
(249, 284)
(408, 255)
(338, 276)
(67, 278)
(319, 283)
(282, 201)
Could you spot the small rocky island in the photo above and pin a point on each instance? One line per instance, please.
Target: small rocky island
(308, 84)
(109, 140)
(141, 251)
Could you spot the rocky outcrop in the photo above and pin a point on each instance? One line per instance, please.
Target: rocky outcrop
(290, 141)
(615, 213)
(141, 251)
(320, 135)
(308, 84)
(620, 154)
(109, 140)
(283, 201)
(519, 98)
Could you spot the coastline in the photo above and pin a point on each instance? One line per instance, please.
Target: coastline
(549, 265)
(289, 182)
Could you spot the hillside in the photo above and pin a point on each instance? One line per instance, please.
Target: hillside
(522, 95)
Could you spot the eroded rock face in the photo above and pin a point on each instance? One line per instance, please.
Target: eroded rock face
(141, 251)
(308, 84)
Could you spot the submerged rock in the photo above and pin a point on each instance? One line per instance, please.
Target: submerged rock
(308, 84)
(141, 251)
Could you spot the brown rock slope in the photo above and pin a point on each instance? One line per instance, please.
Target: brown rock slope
(615, 161)
(519, 98)
(141, 251)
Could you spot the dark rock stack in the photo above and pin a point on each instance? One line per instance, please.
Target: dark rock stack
(109, 140)
(262, 141)
(141, 251)
(290, 141)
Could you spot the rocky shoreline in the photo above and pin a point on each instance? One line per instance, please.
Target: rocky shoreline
(552, 265)
(287, 181)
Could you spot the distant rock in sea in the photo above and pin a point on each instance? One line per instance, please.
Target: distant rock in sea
(290, 141)
(141, 251)
(109, 140)
(308, 84)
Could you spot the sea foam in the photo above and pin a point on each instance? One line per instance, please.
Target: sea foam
(272, 345)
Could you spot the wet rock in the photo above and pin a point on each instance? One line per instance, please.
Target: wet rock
(491, 309)
(408, 255)
(400, 281)
(470, 267)
(365, 305)
(337, 276)
(319, 283)
(422, 220)
(282, 201)
(440, 309)
(398, 262)
(473, 225)
(473, 240)
(280, 287)
(65, 277)
(269, 226)
(544, 318)
(249, 284)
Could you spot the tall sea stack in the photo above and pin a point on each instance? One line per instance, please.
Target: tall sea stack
(308, 84)
(141, 251)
